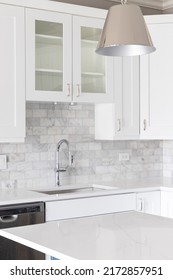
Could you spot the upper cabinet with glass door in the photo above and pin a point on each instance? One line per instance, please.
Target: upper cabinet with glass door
(49, 47)
(61, 61)
(92, 73)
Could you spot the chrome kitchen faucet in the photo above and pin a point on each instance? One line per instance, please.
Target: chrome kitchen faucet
(60, 169)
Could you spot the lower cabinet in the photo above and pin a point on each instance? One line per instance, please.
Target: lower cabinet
(81, 207)
(166, 204)
(149, 202)
(157, 202)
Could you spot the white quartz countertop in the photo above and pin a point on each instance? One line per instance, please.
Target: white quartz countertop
(20, 195)
(129, 235)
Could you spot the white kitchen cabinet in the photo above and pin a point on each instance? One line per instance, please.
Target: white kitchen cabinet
(149, 202)
(80, 207)
(48, 56)
(92, 73)
(156, 82)
(120, 120)
(167, 204)
(150, 83)
(12, 73)
(61, 63)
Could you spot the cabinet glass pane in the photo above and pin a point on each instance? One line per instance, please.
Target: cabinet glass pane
(48, 56)
(92, 64)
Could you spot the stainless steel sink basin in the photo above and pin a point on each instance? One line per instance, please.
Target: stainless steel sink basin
(71, 191)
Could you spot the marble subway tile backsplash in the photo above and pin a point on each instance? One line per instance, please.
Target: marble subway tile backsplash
(32, 164)
(167, 158)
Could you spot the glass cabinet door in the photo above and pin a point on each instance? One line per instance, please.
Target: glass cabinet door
(48, 56)
(92, 73)
(92, 65)
(49, 47)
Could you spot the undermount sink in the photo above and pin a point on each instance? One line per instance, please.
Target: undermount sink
(71, 190)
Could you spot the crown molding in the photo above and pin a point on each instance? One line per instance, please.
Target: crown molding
(155, 4)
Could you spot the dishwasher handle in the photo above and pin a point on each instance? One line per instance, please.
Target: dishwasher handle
(8, 218)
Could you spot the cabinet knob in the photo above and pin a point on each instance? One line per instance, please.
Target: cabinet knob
(78, 90)
(68, 90)
(118, 125)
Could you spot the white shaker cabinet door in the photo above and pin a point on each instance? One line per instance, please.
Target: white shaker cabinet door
(92, 73)
(166, 204)
(120, 120)
(12, 74)
(48, 56)
(149, 202)
(156, 82)
(126, 89)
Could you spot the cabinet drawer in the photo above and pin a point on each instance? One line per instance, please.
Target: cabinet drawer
(66, 209)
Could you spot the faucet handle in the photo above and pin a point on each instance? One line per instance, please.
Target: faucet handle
(61, 170)
(71, 159)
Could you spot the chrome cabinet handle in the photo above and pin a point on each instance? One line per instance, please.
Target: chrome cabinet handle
(68, 90)
(118, 125)
(145, 124)
(8, 218)
(78, 90)
(141, 205)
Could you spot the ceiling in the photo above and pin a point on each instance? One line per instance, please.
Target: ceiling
(159, 5)
(156, 4)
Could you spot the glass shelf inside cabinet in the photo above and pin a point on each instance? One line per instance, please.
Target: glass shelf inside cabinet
(92, 64)
(46, 39)
(48, 56)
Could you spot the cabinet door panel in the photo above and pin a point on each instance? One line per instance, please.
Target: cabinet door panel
(48, 56)
(120, 120)
(166, 204)
(126, 88)
(12, 73)
(157, 84)
(92, 73)
(149, 202)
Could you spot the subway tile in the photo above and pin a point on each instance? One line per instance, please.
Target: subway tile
(8, 148)
(68, 114)
(41, 113)
(40, 130)
(30, 122)
(17, 157)
(46, 139)
(48, 122)
(32, 163)
(54, 130)
(32, 156)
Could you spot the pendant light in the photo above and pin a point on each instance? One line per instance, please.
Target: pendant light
(125, 32)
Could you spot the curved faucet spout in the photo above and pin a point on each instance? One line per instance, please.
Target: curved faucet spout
(59, 169)
(61, 142)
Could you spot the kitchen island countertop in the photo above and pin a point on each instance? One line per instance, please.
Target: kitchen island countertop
(129, 235)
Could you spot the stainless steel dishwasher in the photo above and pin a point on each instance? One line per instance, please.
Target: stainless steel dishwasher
(20, 215)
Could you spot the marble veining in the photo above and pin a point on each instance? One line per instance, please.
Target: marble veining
(116, 236)
(32, 163)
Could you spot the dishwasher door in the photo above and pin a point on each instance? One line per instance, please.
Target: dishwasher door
(20, 215)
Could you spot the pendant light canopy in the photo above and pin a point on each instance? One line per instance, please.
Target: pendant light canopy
(125, 32)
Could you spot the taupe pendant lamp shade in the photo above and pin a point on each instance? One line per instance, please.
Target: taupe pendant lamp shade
(125, 33)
